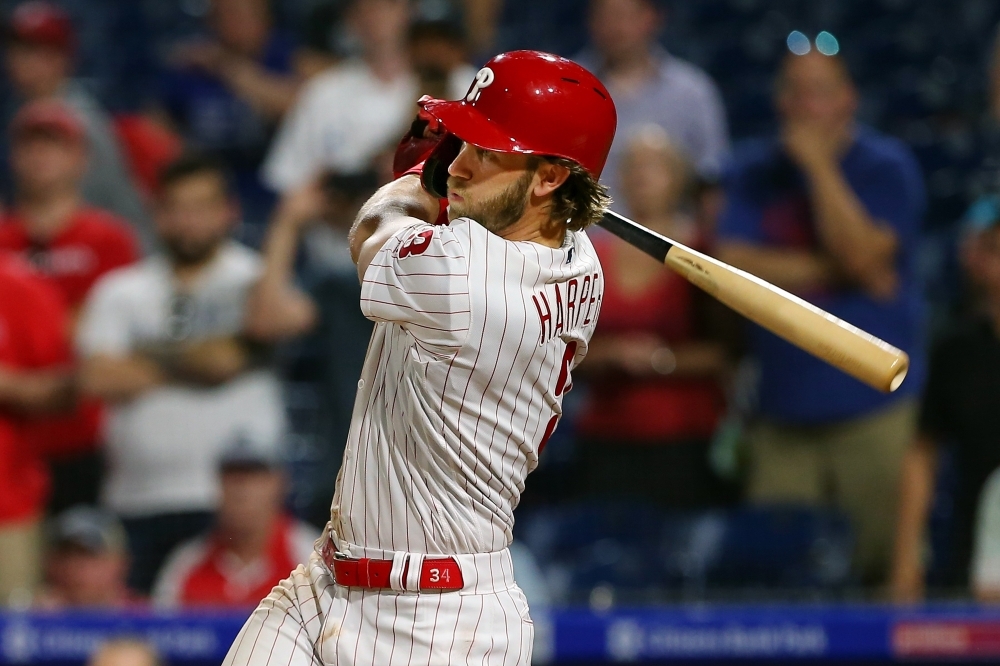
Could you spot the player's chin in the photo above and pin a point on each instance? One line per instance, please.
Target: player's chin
(456, 210)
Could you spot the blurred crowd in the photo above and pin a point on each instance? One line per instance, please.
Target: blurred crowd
(180, 335)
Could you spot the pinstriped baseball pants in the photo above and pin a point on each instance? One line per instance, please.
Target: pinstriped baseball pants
(310, 620)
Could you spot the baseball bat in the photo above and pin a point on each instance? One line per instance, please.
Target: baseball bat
(859, 354)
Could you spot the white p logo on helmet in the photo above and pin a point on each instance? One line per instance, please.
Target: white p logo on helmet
(484, 78)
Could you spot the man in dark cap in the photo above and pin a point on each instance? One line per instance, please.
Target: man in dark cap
(253, 544)
(87, 562)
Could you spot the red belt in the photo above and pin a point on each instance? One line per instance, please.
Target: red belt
(435, 574)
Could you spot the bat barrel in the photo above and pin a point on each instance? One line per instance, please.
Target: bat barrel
(847, 347)
(898, 371)
(859, 354)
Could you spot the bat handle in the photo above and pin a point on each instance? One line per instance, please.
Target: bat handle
(637, 235)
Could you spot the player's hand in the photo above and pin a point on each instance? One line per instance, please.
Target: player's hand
(418, 143)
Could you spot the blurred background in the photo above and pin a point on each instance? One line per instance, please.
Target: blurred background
(172, 421)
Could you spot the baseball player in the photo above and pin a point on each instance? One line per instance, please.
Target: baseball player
(479, 324)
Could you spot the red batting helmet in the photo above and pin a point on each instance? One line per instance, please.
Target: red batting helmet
(534, 103)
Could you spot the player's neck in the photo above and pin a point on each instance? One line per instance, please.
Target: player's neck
(537, 227)
(45, 216)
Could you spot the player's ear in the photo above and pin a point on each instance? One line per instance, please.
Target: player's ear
(550, 177)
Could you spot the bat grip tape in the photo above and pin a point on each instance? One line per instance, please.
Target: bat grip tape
(648, 241)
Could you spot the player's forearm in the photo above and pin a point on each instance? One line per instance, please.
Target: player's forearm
(915, 496)
(864, 250)
(395, 206)
(797, 271)
(276, 308)
(37, 392)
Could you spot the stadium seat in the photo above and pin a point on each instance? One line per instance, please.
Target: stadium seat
(581, 547)
(783, 547)
(641, 553)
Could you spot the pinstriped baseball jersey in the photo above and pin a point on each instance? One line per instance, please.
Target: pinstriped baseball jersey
(473, 350)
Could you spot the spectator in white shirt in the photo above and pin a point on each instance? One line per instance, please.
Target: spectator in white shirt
(164, 343)
(350, 113)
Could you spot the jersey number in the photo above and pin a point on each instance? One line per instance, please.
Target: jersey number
(563, 384)
(416, 244)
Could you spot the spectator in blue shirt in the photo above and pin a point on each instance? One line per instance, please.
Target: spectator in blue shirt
(227, 92)
(830, 210)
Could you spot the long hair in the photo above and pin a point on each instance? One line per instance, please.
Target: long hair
(581, 200)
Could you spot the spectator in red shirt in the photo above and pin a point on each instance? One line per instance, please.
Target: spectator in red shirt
(34, 380)
(87, 564)
(71, 245)
(655, 396)
(253, 546)
(39, 58)
(66, 239)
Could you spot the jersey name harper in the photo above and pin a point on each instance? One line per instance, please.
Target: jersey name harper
(474, 344)
(572, 301)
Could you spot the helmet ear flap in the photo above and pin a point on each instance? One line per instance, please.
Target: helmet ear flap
(435, 174)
